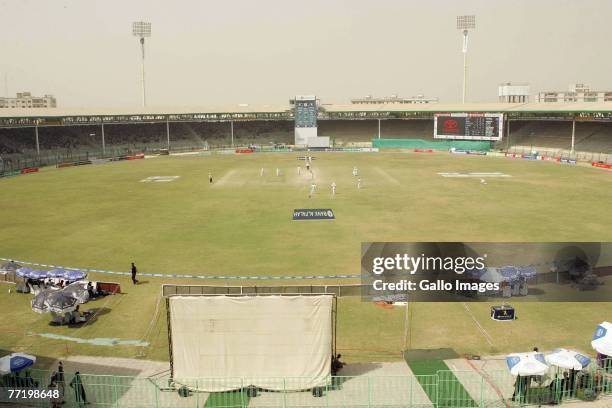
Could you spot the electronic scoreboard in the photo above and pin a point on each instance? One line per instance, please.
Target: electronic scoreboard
(469, 126)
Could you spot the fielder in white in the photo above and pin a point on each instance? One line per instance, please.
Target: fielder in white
(359, 183)
(277, 172)
(261, 172)
(299, 170)
(355, 172)
(333, 188)
(313, 187)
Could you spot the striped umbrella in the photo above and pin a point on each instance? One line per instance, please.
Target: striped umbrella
(56, 273)
(602, 339)
(38, 302)
(60, 302)
(38, 274)
(23, 272)
(494, 275)
(74, 275)
(15, 362)
(77, 291)
(527, 364)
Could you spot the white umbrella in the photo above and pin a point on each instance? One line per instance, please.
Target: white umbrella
(602, 339)
(15, 362)
(39, 302)
(492, 275)
(527, 363)
(60, 302)
(569, 359)
(77, 291)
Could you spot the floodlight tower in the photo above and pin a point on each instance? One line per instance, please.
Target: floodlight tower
(142, 29)
(465, 23)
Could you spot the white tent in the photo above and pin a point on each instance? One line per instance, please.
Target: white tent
(602, 339)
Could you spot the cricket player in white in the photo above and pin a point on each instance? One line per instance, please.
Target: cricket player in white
(355, 172)
(277, 172)
(261, 172)
(359, 183)
(299, 170)
(333, 187)
(313, 187)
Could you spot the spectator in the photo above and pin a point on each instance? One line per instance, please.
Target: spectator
(29, 381)
(79, 390)
(55, 402)
(336, 364)
(521, 385)
(134, 272)
(76, 316)
(61, 381)
(90, 290)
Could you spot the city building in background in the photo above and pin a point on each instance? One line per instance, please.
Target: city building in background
(25, 100)
(369, 99)
(576, 93)
(509, 92)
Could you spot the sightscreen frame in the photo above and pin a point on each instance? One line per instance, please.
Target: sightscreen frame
(334, 316)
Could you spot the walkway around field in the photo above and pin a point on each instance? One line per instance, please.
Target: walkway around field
(453, 383)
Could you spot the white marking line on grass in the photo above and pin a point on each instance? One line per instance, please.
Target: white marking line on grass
(101, 341)
(482, 329)
(387, 176)
(159, 179)
(477, 175)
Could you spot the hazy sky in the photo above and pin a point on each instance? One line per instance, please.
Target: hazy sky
(211, 53)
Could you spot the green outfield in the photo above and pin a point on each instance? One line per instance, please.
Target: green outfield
(104, 217)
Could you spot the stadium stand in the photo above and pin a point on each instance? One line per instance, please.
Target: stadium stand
(83, 142)
(355, 131)
(142, 136)
(590, 136)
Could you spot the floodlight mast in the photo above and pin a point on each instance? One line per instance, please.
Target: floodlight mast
(142, 29)
(465, 23)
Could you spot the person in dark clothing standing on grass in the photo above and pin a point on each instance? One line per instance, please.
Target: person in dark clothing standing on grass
(134, 271)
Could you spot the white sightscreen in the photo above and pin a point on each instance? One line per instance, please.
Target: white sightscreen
(251, 340)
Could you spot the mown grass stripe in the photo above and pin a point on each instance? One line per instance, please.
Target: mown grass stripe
(230, 399)
(449, 392)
